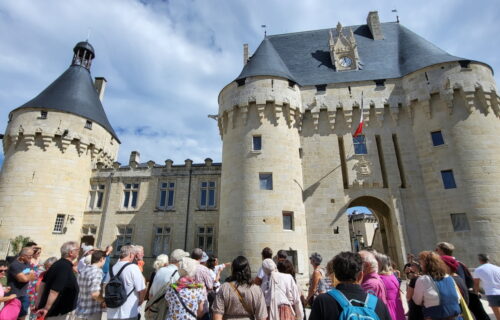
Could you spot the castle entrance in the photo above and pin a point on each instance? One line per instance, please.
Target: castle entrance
(374, 227)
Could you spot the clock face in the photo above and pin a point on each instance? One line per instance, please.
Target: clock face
(345, 61)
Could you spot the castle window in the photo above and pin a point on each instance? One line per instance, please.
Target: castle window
(288, 220)
(207, 194)
(205, 239)
(448, 179)
(43, 114)
(240, 82)
(257, 143)
(379, 83)
(124, 236)
(96, 196)
(161, 242)
(437, 138)
(321, 88)
(59, 224)
(88, 124)
(460, 222)
(266, 181)
(130, 194)
(291, 83)
(359, 144)
(167, 192)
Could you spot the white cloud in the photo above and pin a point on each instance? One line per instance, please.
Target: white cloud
(166, 61)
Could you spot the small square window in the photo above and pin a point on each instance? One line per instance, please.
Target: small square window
(88, 124)
(257, 143)
(460, 222)
(437, 138)
(266, 181)
(287, 220)
(448, 179)
(43, 114)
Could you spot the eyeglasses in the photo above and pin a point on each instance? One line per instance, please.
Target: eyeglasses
(3, 270)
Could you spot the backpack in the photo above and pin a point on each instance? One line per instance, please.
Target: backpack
(350, 312)
(115, 294)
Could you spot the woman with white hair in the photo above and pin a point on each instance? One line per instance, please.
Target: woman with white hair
(281, 293)
(185, 297)
(160, 262)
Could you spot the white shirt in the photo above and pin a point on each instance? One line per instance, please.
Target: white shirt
(260, 273)
(163, 276)
(490, 278)
(425, 292)
(133, 280)
(81, 264)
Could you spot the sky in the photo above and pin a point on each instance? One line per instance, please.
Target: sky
(166, 61)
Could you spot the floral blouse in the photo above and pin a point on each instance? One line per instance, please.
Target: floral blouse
(192, 297)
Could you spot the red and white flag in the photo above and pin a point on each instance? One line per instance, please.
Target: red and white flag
(359, 129)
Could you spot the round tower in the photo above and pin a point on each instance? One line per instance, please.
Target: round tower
(51, 145)
(261, 195)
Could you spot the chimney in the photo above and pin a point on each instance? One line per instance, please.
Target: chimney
(373, 23)
(245, 53)
(135, 158)
(100, 86)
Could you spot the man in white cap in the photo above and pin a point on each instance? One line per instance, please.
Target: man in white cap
(169, 274)
(86, 257)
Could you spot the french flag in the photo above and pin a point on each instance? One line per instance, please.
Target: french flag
(359, 129)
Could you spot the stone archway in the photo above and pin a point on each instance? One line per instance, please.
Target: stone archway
(389, 236)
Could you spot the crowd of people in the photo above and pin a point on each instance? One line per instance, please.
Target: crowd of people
(83, 284)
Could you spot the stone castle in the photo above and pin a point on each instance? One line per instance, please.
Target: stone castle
(427, 162)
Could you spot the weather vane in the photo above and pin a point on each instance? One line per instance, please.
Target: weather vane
(396, 12)
(265, 30)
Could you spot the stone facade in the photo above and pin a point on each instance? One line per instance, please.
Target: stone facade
(291, 168)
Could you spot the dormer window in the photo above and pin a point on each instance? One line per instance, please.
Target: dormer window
(43, 114)
(321, 88)
(88, 125)
(241, 82)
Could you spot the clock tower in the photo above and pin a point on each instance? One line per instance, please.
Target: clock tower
(343, 49)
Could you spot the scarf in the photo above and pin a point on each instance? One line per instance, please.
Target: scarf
(186, 282)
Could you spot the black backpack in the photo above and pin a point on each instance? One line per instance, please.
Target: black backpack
(115, 294)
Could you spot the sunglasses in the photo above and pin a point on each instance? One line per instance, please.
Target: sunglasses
(3, 270)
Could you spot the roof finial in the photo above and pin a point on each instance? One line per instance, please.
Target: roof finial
(88, 34)
(396, 12)
(265, 30)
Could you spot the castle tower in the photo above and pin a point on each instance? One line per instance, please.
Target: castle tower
(51, 145)
(261, 196)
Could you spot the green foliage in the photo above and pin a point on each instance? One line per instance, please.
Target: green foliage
(18, 243)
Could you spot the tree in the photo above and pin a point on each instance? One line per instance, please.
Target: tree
(18, 243)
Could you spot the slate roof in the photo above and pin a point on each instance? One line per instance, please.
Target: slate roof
(73, 92)
(304, 57)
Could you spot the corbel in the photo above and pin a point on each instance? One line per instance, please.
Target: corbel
(332, 115)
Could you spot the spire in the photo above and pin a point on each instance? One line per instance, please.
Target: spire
(266, 62)
(74, 91)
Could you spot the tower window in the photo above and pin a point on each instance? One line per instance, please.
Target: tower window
(288, 220)
(257, 143)
(240, 82)
(359, 144)
(88, 124)
(266, 181)
(437, 138)
(130, 194)
(291, 83)
(59, 224)
(207, 194)
(43, 114)
(460, 222)
(321, 88)
(448, 179)
(380, 83)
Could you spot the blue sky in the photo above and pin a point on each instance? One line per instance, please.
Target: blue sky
(166, 61)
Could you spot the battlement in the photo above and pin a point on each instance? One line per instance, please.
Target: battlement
(30, 128)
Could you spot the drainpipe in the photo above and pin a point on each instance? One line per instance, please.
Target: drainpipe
(104, 210)
(188, 163)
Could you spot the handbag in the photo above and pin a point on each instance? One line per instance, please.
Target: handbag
(10, 310)
(466, 314)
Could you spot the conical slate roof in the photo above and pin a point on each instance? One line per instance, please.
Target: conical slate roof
(73, 92)
(265, 62)
(304, 57)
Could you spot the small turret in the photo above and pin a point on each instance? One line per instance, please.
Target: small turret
(84, 54)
